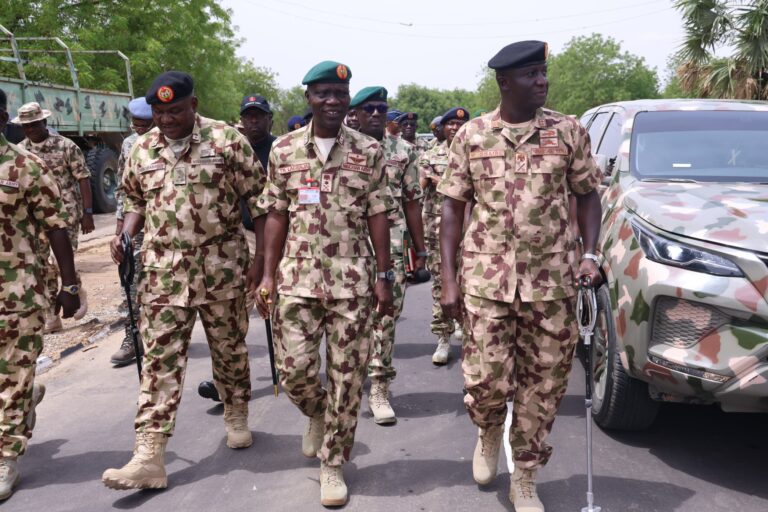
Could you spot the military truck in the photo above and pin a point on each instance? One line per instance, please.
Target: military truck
(97, 121)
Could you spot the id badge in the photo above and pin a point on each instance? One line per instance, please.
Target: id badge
(309, 195)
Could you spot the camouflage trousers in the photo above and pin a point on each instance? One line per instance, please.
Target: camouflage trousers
(440, 325)
(21, 341)
(380, 366)
(137, 241)
(519, 352)
(51, 268)
(166, 332)
(299, 326)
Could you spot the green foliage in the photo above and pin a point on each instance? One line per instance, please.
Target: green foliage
(428, 102)
(289, 103)
(593, 70)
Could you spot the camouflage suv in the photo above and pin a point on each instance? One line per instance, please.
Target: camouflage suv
(683, 314)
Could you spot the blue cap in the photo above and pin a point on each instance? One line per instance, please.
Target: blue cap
(455, 113)
(139, 108)
(392, 115)
(406, 116)
(296, 122)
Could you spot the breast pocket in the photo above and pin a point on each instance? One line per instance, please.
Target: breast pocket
(151, 180)
(489, 179)
(548, 174)
(353, 190)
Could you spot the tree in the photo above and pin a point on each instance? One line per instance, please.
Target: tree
(593, 70)
(711, 25)
(289, 103)
(429, 103)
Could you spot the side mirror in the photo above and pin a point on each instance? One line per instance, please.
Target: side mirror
(602, 164)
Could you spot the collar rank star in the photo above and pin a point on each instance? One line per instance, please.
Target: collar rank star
(309, 194)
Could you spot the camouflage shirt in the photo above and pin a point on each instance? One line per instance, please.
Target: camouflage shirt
(30, 204)
(400, 165)
(194, 248)
(67, 165)
(432, 166)
(125, 150)
(519, 237)
(327, 254)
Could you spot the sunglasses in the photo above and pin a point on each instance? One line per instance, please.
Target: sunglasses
(381, 108)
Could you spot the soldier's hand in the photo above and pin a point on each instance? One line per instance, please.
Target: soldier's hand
(254, 275)
(420, 262)
(450, 299)
(382, 293)
(86, 223)
(588, 270)
(68, 302)
(265, 294)
(119, 227)
(116, 249)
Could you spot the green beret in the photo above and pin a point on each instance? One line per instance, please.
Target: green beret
(373, 93)
(328, 72)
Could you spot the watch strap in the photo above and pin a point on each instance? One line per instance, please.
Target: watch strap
(590, 256)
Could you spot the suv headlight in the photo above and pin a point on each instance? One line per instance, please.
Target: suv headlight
(671, 252)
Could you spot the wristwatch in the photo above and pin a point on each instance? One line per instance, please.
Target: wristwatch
(389, 275)
(590, 256)
(71, 289)
(421, 254)
(88, 211)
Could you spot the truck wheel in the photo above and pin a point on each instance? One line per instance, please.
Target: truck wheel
(619, 401)
(103, 165)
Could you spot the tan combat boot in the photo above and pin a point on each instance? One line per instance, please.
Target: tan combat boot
(38, 392)
(378, 400)
(236, 423)
(333, 490)
(83, 309)
(313, 436)
(486, 458)
(522, 491)
(9, 477)
(146, 469)
(440, 357)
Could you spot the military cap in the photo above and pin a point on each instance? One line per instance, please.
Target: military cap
(255, 101)
(392, 115)
(139, 108)
(436, 122)
(296, 122)
(30, 113)
(328, 72)
(455, 113)
(169, 87)
(373, 93)
(406, 116)
(520, 54)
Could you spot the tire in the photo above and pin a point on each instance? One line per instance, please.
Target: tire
(103, 165)
(619, 402)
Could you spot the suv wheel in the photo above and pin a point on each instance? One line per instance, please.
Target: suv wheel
(103, 165)
(619, 402)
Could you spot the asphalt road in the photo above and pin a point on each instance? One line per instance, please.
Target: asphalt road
(693, 459)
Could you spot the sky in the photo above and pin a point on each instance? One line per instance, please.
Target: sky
(437, 43)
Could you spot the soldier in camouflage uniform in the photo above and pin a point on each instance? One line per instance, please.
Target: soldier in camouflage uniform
(432, 166)
(408, 122)
(141, 123)
(327, 193)
(182, 182)
(400, 159)
(519, 164)
(67, 165)
(30, 207)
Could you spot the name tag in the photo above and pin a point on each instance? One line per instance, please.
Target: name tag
(153, 167)
(7, 183)
(286, 169)
(309, 195)
(549, 151)
(218, 160)
(489, 153)
(357, 168)
(395, 163)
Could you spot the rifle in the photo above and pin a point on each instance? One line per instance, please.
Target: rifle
(127, 270)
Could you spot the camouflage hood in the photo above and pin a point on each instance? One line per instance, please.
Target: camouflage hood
(728, 214)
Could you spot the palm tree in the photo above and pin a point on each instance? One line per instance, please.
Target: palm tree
(711, 26)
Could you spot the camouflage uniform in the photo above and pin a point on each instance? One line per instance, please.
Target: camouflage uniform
(67, 165)
(432, 165)
(195, 258)
(30, 205)
(400, 159)
(518, 269)
(326, 274)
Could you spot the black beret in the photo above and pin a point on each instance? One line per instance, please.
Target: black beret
(169, 87)
(455, 113)
(520, 54)
(406, 115)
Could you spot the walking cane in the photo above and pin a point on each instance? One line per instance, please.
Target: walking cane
(586, 310)
(270, 347)
(127, 269)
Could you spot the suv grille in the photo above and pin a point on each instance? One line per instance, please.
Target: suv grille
(681, 323)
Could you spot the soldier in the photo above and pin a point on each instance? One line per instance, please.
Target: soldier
(141, 123)
(185, 177)
(393, 129)
(352, 121)
(327, 194)
(519, 164)
(400, 165)
(431, 168)
(296, 122)
(67, 165)
(30, 204)
(408, 121)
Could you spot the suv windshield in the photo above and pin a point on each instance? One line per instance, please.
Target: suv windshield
(705, 145)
